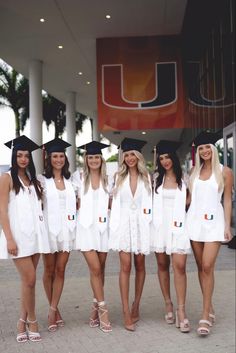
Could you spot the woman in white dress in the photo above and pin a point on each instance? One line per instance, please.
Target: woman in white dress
(168, 230)
(130, 223)
(23, 235)
(59, 203)
(92, 226)
(208, 223)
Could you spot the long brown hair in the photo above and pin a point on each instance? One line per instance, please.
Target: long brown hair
(48, 172)
(17, 185)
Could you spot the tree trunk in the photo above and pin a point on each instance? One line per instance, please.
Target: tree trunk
(17, 123)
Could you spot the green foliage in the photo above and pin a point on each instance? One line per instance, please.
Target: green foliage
(113, 158)
(14, 93)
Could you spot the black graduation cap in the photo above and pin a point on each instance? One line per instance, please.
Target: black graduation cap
(128, 144)
(22, 143)
(93, 147)
(167, 146)
(206, 137)
(56, 145)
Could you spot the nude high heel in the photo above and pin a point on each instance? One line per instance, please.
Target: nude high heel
(102, 310)
(184, 326)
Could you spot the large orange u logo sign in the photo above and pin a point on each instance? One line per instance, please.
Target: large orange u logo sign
(165, 85)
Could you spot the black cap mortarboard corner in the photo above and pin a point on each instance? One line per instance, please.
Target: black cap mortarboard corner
(129, 144)
(56, 145)
(167, 146)
(206, 137)
(93, 147)
(22, 143)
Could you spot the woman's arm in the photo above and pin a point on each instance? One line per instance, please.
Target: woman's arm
(5, 187)
(227, 201)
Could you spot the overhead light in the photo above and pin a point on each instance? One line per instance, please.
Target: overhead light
(60, 46)
(80, 73)
(42, 20)
(88, 82)
(143, 132)
(108, 17)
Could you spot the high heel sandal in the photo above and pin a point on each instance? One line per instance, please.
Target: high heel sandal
(134, 318)
(52, 327)
(212, 318)
(184, 326)
(102, 310)
(22, 337)
(60, 322)
(33, 336)
(169, 317)
(94, 322)
(130, 326)
(204, 330)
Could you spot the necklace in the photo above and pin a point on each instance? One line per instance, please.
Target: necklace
(57, 180)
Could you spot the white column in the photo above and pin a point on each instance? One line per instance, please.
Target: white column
(70, 128)
(36, 109)
(95, 133)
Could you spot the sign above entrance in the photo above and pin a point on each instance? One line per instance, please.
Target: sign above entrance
(139, 83)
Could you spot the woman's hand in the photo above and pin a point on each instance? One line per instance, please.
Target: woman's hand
(227, 234)
(12, 247)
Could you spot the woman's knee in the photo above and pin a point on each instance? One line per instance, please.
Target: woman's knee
(126, 268)
(179, 269)
(207, 268)
(30, 280)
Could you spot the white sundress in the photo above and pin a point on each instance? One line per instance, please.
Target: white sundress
(92, 238)
(65, 239)
(202, 224)
(26, 223)
(164, 240)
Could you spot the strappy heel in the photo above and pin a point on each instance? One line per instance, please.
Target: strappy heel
(204, 330)
(169, 317)
(33, 336)
(212, 318)
(134, 318)
(60, 322)
(22, 337)
(102, 310)
(184, 325)
(52, 327)
(94, 322)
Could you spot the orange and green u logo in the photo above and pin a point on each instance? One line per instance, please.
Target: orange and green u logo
(147, 210)
(71, 217)
(208, 217)
(178, 224)
(102, 219)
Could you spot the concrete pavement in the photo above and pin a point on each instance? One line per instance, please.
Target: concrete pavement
(152, 335)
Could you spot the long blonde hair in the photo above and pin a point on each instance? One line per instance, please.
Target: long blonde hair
(86, 174)
(123, 171)
(215, 166)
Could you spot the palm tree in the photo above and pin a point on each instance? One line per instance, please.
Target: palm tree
(54, 111)
(14, 93)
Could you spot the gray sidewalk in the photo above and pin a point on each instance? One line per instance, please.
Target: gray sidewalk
(153, 335)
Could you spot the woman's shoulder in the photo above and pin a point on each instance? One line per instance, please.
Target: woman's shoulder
(227, 172)
(6, 181)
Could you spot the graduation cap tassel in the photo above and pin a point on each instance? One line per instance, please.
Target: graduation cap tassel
(44, 157)
(193, 154)
(154, 158)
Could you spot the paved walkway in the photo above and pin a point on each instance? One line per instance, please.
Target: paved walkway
(153, 335)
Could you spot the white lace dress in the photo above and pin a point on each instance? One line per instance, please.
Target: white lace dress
(132, 235)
